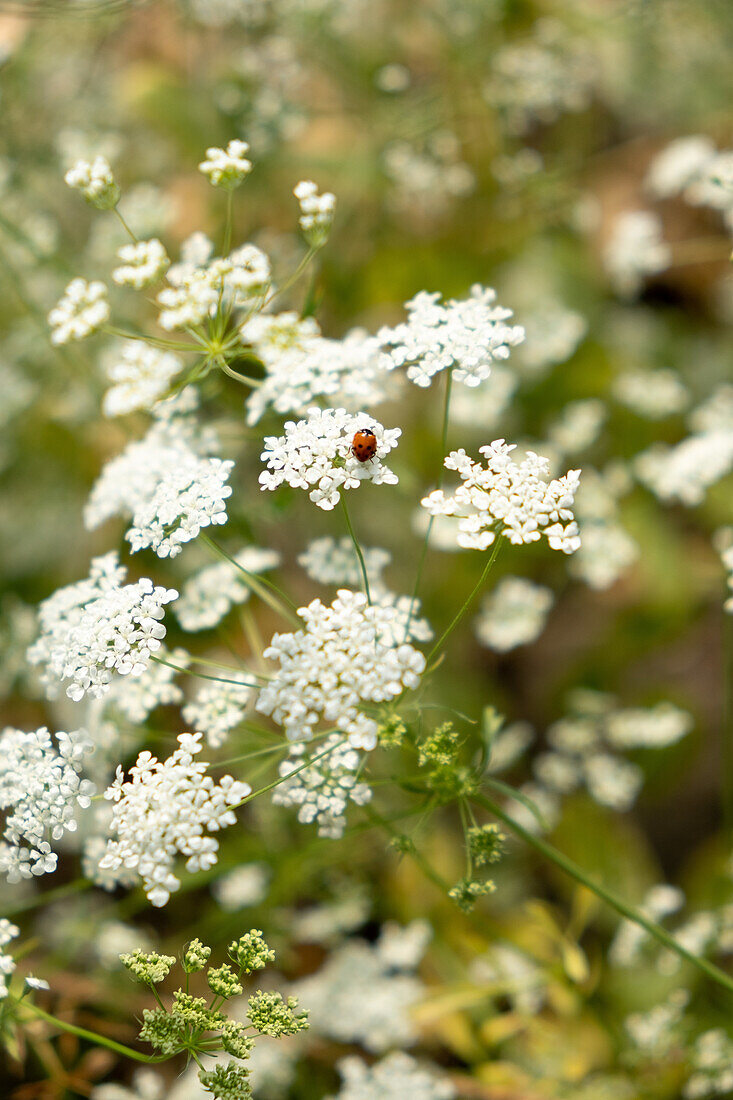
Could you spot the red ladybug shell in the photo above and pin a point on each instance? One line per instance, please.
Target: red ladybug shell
(364, 444)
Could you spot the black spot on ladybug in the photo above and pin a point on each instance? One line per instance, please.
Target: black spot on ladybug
(364, 445)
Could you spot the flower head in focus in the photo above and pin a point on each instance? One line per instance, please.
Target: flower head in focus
(516, 500)
(316, 455)
(465, 336)
(165, 808)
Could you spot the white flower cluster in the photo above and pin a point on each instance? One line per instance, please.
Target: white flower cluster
(302, 366)
(95, 181)
(218, 708)
(227, 167)
(375, 1011)
(509, 498)
(654, 394)
(166, 487)
(712, 1064)
(40, 789)
(514, 614)
(486, 405)
(333, 561)
(143, 263)
(323, 790)
(396, 1077)
(81, 311)
(635, 250)
(8, 932)
(465, 336)
(580, 748)
(167, 808)
(209, 595)
(200, 286)
(98, 627)
(316, 211)
(427, 178)
(514, 976)
(140, 376)
(345, 656)
(577, 427)
(316, 455)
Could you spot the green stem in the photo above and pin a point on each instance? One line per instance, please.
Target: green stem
(125, 225)
(93, 1036)
(358, 550)
(259, 585)
(282, 778)
(431, 521)
(199, 675)
(466, 603)
(628, 911)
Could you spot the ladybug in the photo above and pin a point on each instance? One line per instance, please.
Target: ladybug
(364, 444)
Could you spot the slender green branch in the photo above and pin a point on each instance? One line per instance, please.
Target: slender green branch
(467, 602)
(199, 675)
(357, 548)
(431, 520)
(283, 778)
(571, 868)
(259, 584)
(91, 1036)
(124, 224)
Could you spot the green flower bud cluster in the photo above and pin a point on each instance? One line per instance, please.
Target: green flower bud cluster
(467, 891)
(195, 1025)
(448, 779)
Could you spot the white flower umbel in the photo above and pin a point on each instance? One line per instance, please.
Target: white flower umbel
(143, 263)
(95, 181)
(227, 168)
(210, 594)
(166, 808)
(465, 336)
(712, 1063)
(635, 250)
(627, 946)
(168, 489)
(302, 366)
(396, 1077)
(98, 627)
(315, 454)
(8, 932)
(606, 550)
(724, 545)
(199, 287)
(140, 376)
(648, 727)
(514, 614)
(323, 790)
(346, 655)
(509, 498)
(316, 211)
(219, 707)
(333, 561)
(81, 311)
(40, 790)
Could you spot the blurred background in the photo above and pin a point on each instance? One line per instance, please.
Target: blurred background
(501, 142)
